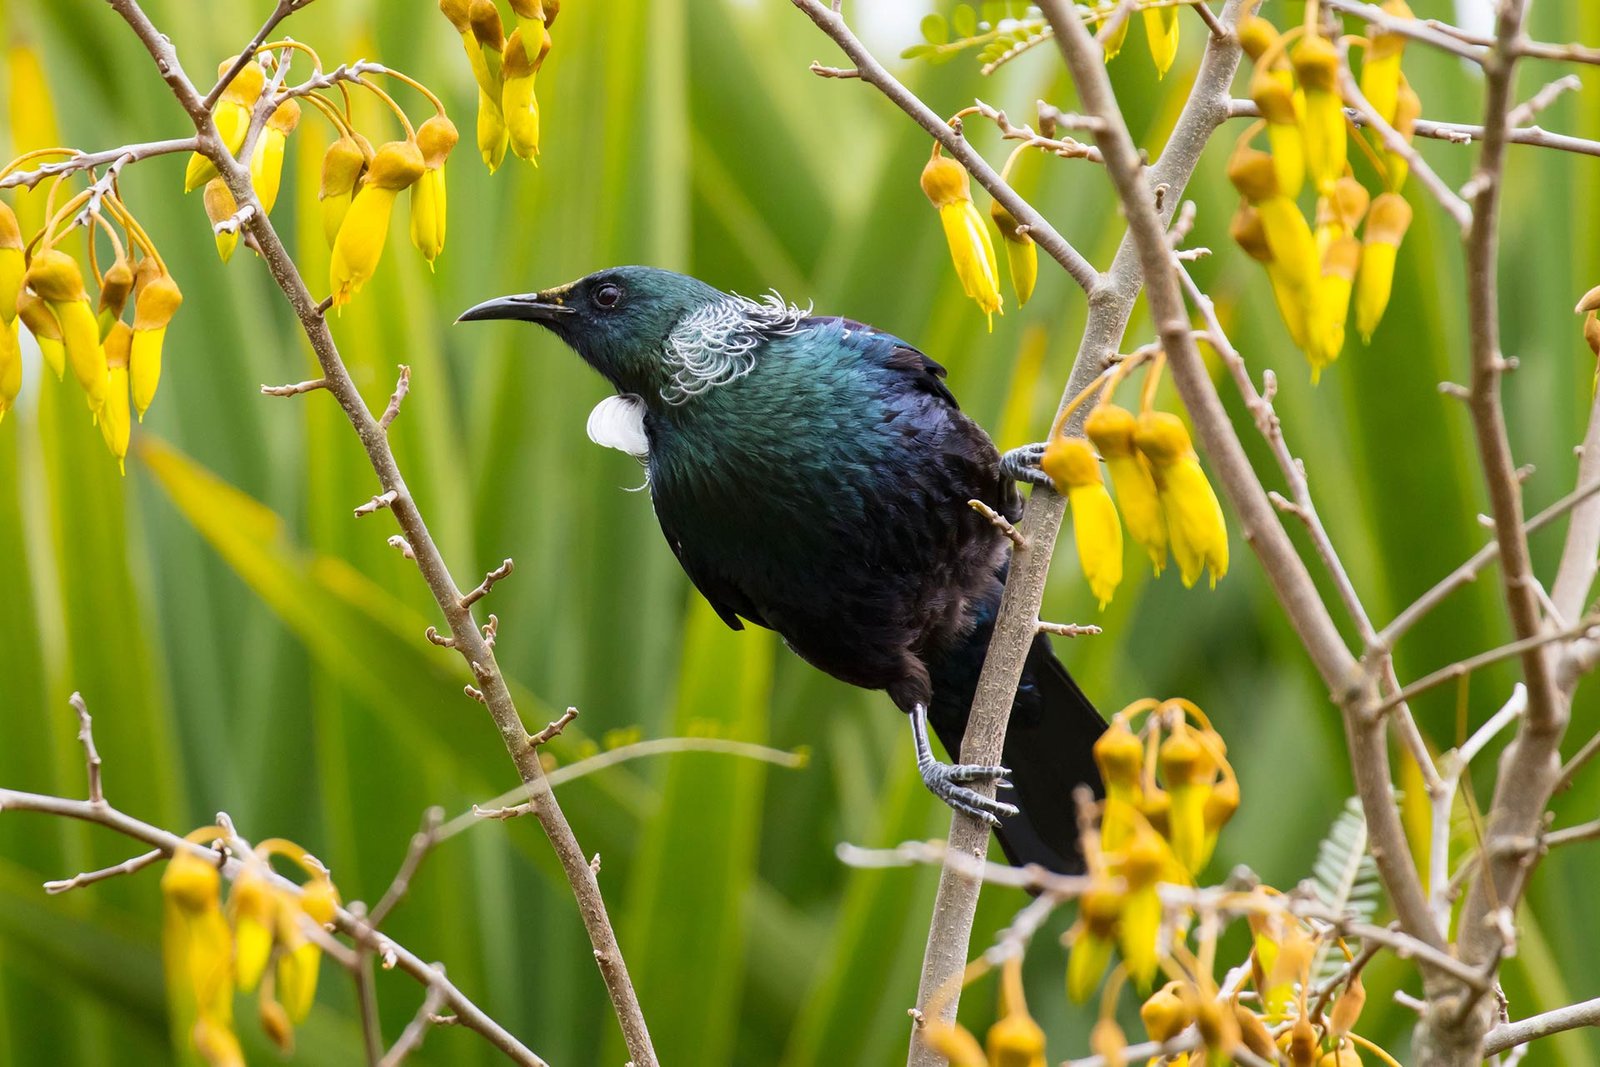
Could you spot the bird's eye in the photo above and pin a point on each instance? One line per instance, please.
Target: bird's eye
(608, 295)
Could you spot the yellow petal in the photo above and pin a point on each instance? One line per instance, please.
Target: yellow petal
(10, 366)
(266, 166)
(428, 214)
(360, 242)
(1161, 27)
(972, 253)
(1098, 534)
(493, 137)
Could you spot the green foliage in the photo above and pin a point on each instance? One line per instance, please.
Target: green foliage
(268, 659)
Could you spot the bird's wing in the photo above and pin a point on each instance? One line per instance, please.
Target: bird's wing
(724, 597)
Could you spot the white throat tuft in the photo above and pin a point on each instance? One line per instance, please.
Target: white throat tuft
(618, 422)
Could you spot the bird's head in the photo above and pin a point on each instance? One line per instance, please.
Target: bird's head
(620, 320)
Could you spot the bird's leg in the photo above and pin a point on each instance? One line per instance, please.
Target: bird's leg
(943, 779)
(1022, 465)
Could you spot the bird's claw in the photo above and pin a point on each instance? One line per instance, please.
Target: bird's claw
(942, 781)
(1022, 465)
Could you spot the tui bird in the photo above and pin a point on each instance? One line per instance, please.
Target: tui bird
(812, 475)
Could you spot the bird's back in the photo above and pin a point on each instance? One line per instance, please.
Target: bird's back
(824, 494)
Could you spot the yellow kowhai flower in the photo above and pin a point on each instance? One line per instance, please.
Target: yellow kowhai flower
(1190, 779)
(1300, 1043)
(266, 159)
(531, 18)
(232, 116)
(1093, 936)
(518, 102)
(1161, 28)
(1194, 517)
(299, 957)
(1120, 757)
(220, 207)
(155, 302)
(253, 908)
(1387, 223)
(55, 276)
(198, 951)
(1380, 66)
(1253, 1033)
(490, 35)
(1015, 1039)
(1113, 31)
(13, 266)
(275, 1023)
(1071, 465)
(1407, 110)
(1343, 1056)
(1274, 95)
(1316, 65)
(1287, 236)
(10, 366)
(1340, 211)
(1022, 255)
(1111, 428)
(1168, 1012)
(1142, 863)
(1339, 265)
(46, 329)
(1257, 35)
(359, 245)
(435, 138)
(1347, 1009)
(946, 184)
(1246, 229)
(342, 164)
(114, 422)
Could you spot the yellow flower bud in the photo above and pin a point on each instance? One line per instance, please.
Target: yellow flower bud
(1111, 428)
(1070, 463)
(1015, 1040)
(115, 285)
(1195, 525)
(253, 910)
(1187, 772)
(217, 1043)
(1253, 1033)
(1022, 255)
(1256, 36)
(341, 166)
(1300, 1043)
(493, 137)
(1113, 32)
(945, 183)
(1407, 110)
(435, 139)
(157, 301)
(275, 1023)
(531, 19)
(1380, 66)
(12, 265)
(1168, 1012)
(1218, 1029)
(1274, 95)
(232, 116)
(1107, 1041)
(1161, 28)
(1316, 64)
(114, 421)
(1387, 223)
(299, 960)
(54, 275)
(46, 329)
(518, 103)
(1343, 1056)
(220, 206)
(365, 229)
(1099, 909)
(266, 159)
(1347, 1009)
(955, 1043)
(197, 946)
(10, 366)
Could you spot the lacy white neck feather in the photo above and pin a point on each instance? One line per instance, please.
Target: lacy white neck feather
(716, 344)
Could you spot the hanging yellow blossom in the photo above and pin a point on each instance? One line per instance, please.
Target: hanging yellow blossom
(46, 329)
(115, 424)
(1022, 255)
(341, 167)
(1316, 65)
(1274, 95)
(253, 911)
(1070, 463)
(1380, 66)
(1111, 428)
(1407, 110)
(12, 264)
(10, 366)
(155, 302)
(945, 183)
(435, 138)
(266, 159)
(1195, 526)
(490, 34)
(1120, 758)
(198, 952)
(1168, 1012)
(55, 277)
(221, 207)
(1093, 936)
(1287, 236)
(365, 229)
(1015, 1039)
(1387, 223)
(232, 116)
(518, 101)
(1161, 28)
(1113, 32)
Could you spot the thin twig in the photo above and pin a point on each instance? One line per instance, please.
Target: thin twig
(128, 866)
(1461, 668)
(402, 387)
(410, 1039)
(296, 389)
(1000, 522)
(422, 843)
(553, 730)
(1510, 1035)
(80, 161)
(91, 756)
(488, 583)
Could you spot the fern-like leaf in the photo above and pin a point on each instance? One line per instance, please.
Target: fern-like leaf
(1345, 878)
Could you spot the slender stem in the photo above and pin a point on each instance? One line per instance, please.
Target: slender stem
(1510, 1035)
(469, 640)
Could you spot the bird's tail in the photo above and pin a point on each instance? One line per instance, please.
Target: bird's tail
(1049, 749)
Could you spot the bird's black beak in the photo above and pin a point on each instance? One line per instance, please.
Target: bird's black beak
(524, 307)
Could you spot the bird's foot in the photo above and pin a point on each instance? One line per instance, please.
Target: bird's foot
(1022, 465)
(944, 781)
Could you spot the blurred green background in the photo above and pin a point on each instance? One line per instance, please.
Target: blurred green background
(246, 645)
